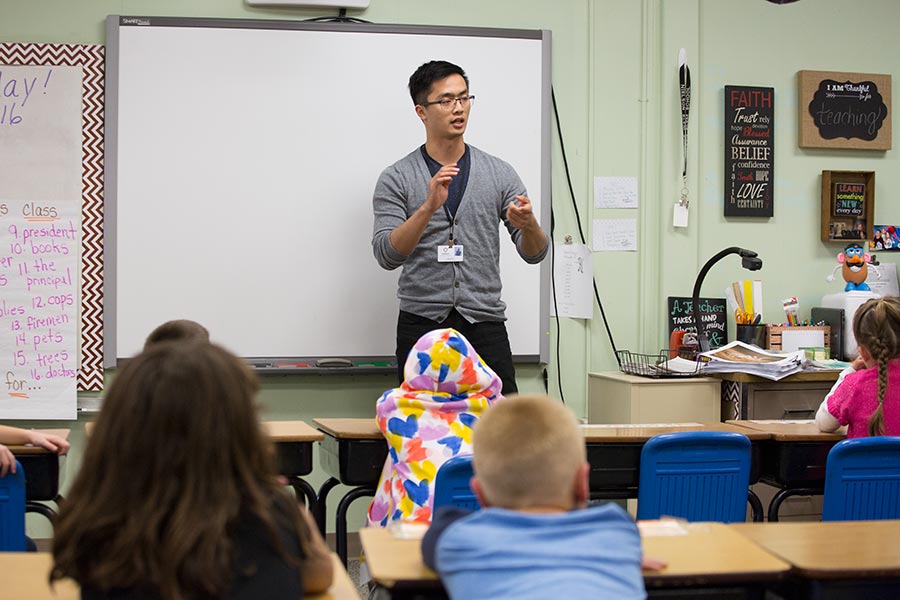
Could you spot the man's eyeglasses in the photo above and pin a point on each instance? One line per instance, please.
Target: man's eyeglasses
(450, 103)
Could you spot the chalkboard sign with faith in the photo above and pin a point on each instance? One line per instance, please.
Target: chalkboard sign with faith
(749, 151)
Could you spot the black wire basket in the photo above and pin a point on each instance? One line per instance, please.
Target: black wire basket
(654, 365)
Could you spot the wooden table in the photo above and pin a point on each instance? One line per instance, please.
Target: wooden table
(793, 460)
(705, 556)
(701, 556)
(342, 587)
(796, 396)
(614, 453)
(396, 564)
(352, 452)
(42, 471)
(24, 576)
(835, 557)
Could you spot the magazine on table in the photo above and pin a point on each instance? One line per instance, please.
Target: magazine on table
(738, 357)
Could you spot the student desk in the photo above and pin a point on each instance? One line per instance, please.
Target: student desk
(293, 442)
(41, 474)
(837, 559)
(396, 565)
(614, 453)
(706, 559)
(793, 460)
(702, 558)
(342, 587)
(352, 452)
(24, 576)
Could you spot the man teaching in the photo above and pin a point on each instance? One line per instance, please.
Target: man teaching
(437, 214)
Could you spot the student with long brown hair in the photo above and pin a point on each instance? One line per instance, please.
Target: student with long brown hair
(862, 398)
(177, 496)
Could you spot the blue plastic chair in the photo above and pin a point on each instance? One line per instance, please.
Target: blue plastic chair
(12, 511)
(862, 480)
(451, 485)
(695, 475)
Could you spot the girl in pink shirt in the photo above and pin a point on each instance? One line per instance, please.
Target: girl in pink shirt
(861, 397)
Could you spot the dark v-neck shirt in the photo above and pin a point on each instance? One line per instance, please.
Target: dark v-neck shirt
(457, 184)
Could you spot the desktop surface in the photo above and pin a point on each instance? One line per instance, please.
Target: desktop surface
(831, 549)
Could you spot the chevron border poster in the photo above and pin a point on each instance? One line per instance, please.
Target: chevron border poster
(40, 239)
(51, 210)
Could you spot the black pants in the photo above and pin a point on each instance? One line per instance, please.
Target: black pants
(488, 337)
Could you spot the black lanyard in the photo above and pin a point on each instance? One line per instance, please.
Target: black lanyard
(684, 85)
(452, 223)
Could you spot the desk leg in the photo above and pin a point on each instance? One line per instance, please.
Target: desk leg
(756, 507)
(321, 498)
(301, 487)
(340, 526)
(785, 493)
(43, 509)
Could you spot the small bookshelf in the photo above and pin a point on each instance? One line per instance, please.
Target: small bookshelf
(848, 206)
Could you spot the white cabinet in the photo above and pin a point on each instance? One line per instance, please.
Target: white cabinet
(615, 397)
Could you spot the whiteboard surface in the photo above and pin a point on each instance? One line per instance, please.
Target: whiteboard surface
(242, 163)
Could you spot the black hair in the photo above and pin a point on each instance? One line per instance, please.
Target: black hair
(421, 81)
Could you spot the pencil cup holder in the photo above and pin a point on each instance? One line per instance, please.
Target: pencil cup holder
(752, 334)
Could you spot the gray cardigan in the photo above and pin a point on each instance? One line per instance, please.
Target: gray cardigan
(431, 289)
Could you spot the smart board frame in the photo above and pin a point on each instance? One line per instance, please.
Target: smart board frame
(528, 335)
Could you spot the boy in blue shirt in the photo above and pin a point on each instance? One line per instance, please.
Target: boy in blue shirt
(536, 536)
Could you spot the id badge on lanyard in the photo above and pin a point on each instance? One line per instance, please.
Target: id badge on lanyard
(450, 252)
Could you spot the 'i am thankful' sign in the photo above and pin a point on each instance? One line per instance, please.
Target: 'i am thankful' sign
(844, 110)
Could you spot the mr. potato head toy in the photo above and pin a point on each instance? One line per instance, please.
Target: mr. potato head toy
(853, 263)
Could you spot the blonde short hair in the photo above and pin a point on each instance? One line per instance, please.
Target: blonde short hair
(527, 451)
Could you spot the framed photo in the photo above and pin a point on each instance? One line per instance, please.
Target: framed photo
(886, 238)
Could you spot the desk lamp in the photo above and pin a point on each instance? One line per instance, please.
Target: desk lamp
(749, 261)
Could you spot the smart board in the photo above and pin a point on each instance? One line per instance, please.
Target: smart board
(241, 160)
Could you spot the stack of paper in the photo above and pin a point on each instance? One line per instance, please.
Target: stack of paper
(738, 357)
(829, 364)
(678, 366)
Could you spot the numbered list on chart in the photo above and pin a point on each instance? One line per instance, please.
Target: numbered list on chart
(39, 284)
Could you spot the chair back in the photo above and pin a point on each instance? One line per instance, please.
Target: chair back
(695, 475)
(451, 485)
(12, 511)
(862, 480)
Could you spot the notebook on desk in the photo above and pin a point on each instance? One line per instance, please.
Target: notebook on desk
(834, 318)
